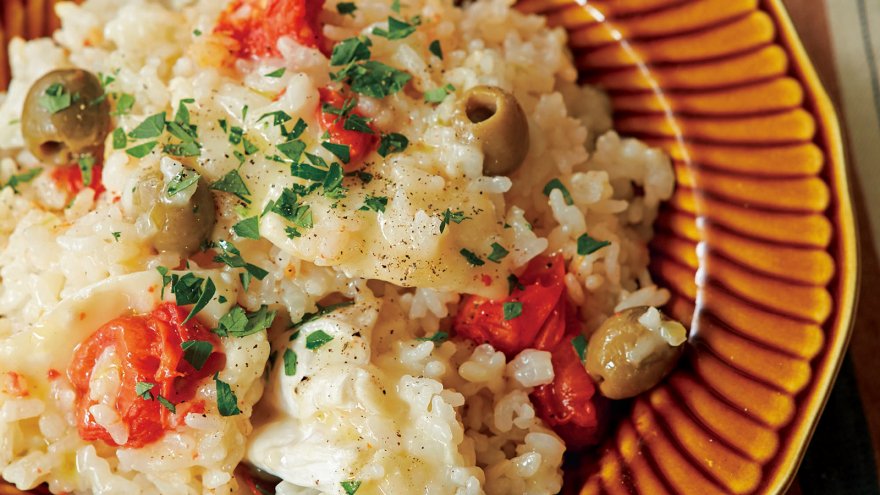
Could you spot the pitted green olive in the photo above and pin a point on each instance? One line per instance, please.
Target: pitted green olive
(65, 114)
(632, 351)
(183, 220)
(499, 125)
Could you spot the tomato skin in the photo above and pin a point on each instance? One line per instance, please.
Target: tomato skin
(569, 404)
(360, 144)
(256, 25)
(70, 178)
(148, 349)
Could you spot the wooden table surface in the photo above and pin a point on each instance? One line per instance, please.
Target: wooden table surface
(813, 26)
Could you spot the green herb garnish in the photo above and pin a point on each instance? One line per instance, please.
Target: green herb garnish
(580, 347)
(397, 29)
(375, 203)
(196, 352)
(435, 48)
(472, 258)
(181, 182)
(437, 95)
(392, 143)
(498, 253)
(277, 73)
(233, 183)
(248, 228)
(55, 98)
(512, 309)
(346, 8)
(317, 339)
(557, 184)
(587, 245)
(436, 338)
(289, 362)
(227, 402)
(449, 216)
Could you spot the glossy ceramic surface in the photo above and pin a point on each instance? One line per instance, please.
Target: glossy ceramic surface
(757, 245)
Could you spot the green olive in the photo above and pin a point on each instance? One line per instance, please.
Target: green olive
(626, 358)
(500, 126)
(65, 114)
(181, 226)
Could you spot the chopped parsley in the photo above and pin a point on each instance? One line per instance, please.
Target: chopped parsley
(351, 50)
(181, 182)
(350, 487)
(116, 235)
(341, 151)
(279, 117)
(292, 149)
(277, 73)
(166, 404)
(197, 32)
(364, 76)
(22, 178)
(124, 104)
(375, 203)
(188, 289)
(587, 245)
(196, 352)
(580, 347)
(437, 95)
(397, 29)
(289, 362)
(317, 339)
(355, 122)
(119, 139)
(450, 216)
(322, 310)
(346, 8)
(395, 6)
(557, 184)
(498, 253)
(55, 98)
(436, 338)
(142, 150)
(513, 284)
(86, 163)
(249, 228)
(142, 389)
(472, 258)
(392, 143)
(291, 210)
(436, 49)
(152, 127)
(239, 323)
(512, 309)
(227, 402)
(231, 257)
(233, 183)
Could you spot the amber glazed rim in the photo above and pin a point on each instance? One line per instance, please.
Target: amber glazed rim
(848, 260)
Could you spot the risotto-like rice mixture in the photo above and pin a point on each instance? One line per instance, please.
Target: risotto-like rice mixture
(351, 214)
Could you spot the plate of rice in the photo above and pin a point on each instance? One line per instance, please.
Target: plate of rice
(420, 246)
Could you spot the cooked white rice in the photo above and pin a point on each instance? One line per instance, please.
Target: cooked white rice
(399, 414)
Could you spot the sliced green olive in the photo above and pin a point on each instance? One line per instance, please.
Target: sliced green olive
(181, 226)
(500, 126)
(65, 114)
(626, 357)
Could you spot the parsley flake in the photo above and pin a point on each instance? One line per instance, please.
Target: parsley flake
(557, 184)
(142, 150)
(397, 29)
(580, 347)
(86, 163)
(322, 310)
(498, 253)
(289, 362)
(436, 49)
(181, 182)
(436, 338)
(166, 404)
(350, 487)
(227, 402)
(239, 323)
(124, 104)
(196, 352)
(277, 73)
(143, 390)
(472, 258)
(116, 235)
(249, 228)
(233, 183)
(392, 143)
(351, 50)
(346, 8)
(119, 139)
(372, 78)
(341, 151)
(151, 127)
(317, 339)
(375, 203)
(513, 284)
(512, 309)
(587, 245)
(55, 98)
(22, 178)
(437, 95)
(449, 216)
(355, 122)
(231, 256)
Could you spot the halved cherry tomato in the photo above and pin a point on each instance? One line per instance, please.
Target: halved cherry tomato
(570, 404)
(360, 144)
(256, 25)
(70, 178)
(148, 348)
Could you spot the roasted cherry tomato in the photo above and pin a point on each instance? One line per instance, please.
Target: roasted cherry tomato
(70, 178)
(256, 25)
(360, 144)
(148, 348)
(570, 404)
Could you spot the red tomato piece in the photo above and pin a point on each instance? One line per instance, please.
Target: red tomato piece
(570, 404)
(148, 348)
(256, 25)
(360, 144)
(70, 178)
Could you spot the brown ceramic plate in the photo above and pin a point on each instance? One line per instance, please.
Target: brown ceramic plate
(757, 246)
